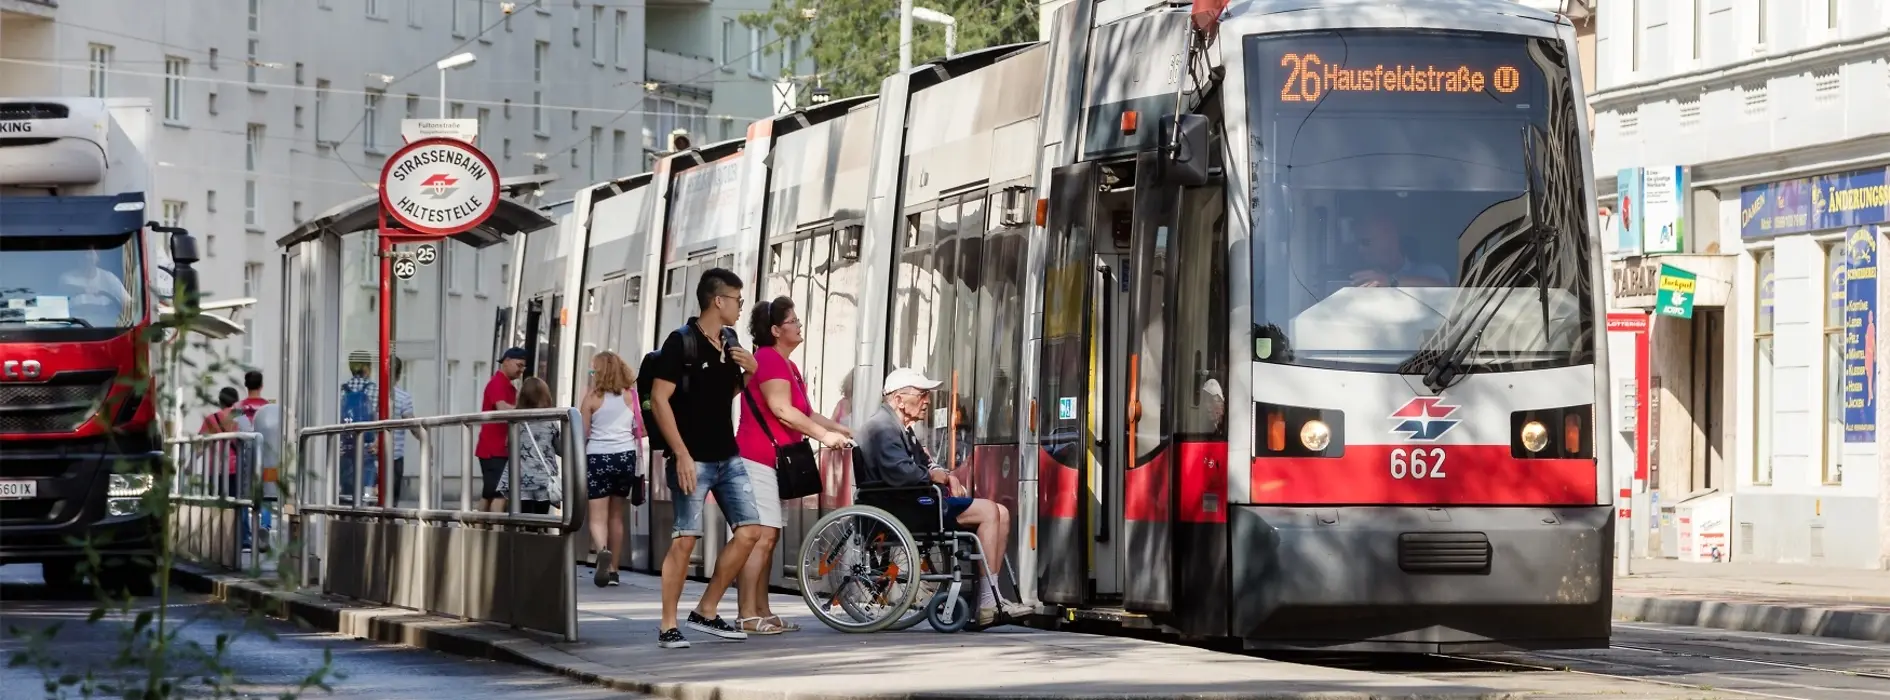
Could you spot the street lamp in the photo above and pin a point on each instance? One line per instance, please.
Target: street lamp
(449, 63)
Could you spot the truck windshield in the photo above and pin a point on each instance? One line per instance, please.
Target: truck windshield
(76, 282)
(1419, 199)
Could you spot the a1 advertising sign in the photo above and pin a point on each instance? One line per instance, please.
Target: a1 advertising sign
(439, 186)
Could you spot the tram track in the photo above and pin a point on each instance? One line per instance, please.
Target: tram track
(1656, 662)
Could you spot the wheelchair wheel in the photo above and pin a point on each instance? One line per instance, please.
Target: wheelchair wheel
(948, 613)
(933, 562)
(859, 569)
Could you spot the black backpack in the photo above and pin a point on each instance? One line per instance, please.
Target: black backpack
(646, 379)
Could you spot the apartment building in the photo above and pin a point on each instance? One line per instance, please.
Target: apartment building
(275, 112)
(1744, 143)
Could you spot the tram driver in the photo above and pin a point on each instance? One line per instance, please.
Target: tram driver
(891, 457)
(1381, 247)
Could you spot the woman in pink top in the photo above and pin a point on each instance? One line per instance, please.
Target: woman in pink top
(778, 387)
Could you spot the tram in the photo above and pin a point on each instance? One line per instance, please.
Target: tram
(1274, 321)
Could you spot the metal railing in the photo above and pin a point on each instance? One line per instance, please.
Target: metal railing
(213, 510)
(492, 564)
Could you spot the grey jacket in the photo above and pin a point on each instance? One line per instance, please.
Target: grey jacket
(889, 455)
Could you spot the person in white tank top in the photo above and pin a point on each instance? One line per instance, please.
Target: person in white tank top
(612, 435)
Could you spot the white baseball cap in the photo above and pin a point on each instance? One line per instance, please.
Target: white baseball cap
(906, 378)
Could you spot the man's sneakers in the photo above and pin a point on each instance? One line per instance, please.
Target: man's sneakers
(716, 627)
(672, 639)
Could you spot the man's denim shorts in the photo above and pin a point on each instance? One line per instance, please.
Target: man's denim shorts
(728, 480)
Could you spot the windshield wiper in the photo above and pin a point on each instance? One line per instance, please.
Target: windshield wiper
(80, 322)
(1450, 363)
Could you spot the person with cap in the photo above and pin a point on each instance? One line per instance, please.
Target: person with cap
(891, 457)
(494, 449)
(360, 397)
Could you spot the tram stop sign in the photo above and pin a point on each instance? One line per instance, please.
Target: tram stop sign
(439, 187)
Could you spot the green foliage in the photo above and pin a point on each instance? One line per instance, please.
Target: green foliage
(855, 43)
(154, 658)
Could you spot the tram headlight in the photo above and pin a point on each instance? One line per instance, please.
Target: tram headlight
(1535, 436)
(1315, 435)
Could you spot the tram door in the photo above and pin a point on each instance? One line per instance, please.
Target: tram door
(1106, 486)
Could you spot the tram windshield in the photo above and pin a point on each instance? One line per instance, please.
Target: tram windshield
(1419, 201)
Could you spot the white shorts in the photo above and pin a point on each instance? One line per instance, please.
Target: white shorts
(767, 492)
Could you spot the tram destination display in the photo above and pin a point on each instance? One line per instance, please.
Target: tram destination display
(1404, 71)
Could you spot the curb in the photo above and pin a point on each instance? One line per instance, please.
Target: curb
(1770, 618)
(492, 642)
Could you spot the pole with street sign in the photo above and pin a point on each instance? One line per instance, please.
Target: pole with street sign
(431, 188)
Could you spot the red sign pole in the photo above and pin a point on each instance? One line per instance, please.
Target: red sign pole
(385, 352)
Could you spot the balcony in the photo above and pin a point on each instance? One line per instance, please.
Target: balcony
(28, 9)
(674, 71)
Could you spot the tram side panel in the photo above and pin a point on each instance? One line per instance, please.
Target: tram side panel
(956, 311)
(700, 225)
(810, 253)
(610, 313)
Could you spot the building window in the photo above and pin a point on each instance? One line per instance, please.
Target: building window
(597, 34)
(374, 9)
(413, 12)
(213, 58)
(456, 111)
(461, 16)
(619, 143)
(252, 289)
(250, 66)
(620, 45)
(413, 106)
(450, 265)
(541, 53)
(597, 148)
(1763, 394)
(1699, 22)
(754, 51)
(371, 120)
(252, 205)
(298, 72)
(210, 201)
(298, 116)
(479, 272)
(485, 116)
(1759, 13)
(730, 34)
(255, 16)
(173, 213)
(1831, 14)
(253, 145)
(321, 107)
(505, 149)
(174, 71)
(1836, 259)
(1634, 38)
(99, 67)
(295, 212)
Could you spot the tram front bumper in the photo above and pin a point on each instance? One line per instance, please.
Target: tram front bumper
(1422, 579)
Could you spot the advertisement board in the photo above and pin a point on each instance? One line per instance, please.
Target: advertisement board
(1628, 212)
(1860, 334)
(1817, 203)
(1663, 210)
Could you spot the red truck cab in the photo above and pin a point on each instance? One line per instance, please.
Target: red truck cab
(80, 439)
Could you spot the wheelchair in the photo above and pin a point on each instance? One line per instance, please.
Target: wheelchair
(863, 567)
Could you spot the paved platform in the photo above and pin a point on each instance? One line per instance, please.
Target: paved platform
(617, 627)
(1774, 598)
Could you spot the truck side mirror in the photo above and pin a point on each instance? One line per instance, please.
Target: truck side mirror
(1184, 143)
(184, 248)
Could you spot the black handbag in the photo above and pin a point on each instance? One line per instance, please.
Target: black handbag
(796, 473)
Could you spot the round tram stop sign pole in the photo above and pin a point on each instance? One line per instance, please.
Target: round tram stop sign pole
(430, 189)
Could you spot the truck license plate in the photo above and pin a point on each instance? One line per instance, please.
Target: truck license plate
(14, 490)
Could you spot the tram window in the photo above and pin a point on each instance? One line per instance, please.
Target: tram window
(777, 271)
(943, 311)
(841, 339)
(910, 294)
(1200, 303)
(971, 326)
(812, 303)
(1001, 311)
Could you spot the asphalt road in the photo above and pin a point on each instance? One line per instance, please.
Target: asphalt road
(261, 667)
(1669, 662)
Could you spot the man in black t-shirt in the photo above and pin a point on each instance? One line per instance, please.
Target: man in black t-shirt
(699, 426)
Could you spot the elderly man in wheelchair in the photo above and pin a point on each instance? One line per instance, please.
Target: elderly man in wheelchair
(908, 522)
